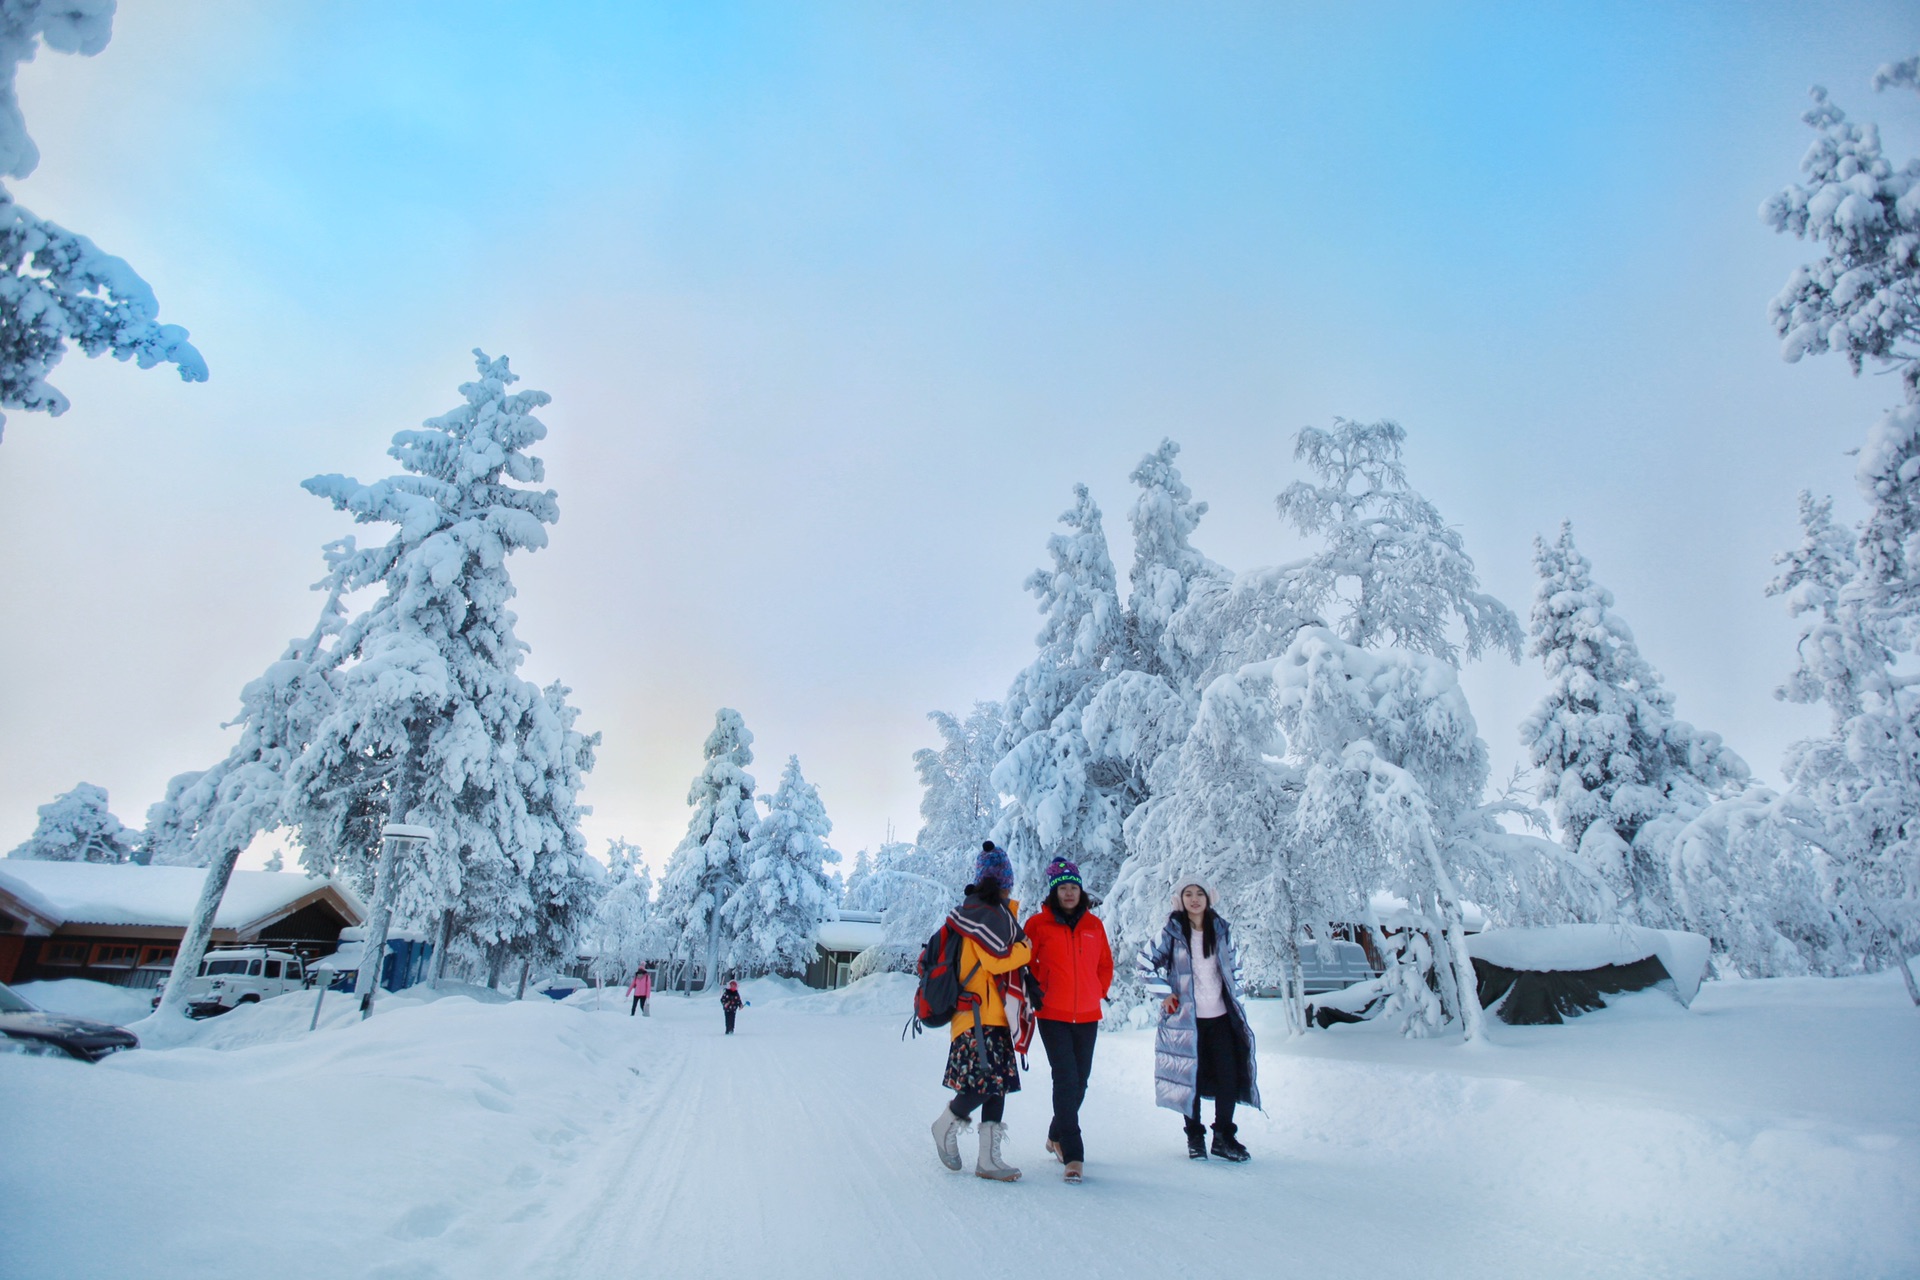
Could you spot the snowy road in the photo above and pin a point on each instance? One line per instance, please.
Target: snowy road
(450, 1140)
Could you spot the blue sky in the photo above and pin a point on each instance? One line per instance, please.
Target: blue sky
(836, 302)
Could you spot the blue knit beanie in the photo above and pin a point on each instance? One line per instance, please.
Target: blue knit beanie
(993, 864)
(1060, 872)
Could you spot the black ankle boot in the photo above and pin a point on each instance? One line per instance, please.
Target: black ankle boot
(1227, 1147)
(1196, 1144)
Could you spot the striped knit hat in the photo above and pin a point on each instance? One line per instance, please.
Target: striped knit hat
(1060, 872)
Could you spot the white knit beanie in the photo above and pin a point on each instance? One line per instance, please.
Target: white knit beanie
(1213, 899)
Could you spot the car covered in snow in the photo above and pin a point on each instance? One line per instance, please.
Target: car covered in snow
(235, 976)
(29, 1030)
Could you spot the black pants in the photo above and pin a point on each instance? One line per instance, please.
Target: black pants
(992, 1105)
(1219, 1073)
(730, 1013)
(639, 1002)
(1070, 1056)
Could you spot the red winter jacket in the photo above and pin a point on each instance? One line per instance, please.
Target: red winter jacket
(1073, 965)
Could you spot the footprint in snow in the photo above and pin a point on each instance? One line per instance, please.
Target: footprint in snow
(423, 1222)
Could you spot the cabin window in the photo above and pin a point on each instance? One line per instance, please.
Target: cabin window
(154, 957)
(65, 953)
(115, 955)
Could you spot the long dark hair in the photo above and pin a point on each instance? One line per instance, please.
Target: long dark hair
(1206, 927)
(988, 891)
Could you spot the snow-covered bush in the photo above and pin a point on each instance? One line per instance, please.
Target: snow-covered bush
(79, 827)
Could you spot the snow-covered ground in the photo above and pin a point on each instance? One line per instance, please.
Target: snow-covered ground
(1773, 1130)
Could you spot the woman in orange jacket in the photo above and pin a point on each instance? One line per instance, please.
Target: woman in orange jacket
(981, 1068)
(1073, 964)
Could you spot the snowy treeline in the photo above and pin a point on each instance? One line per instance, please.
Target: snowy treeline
(1297, 734)
(57, 288)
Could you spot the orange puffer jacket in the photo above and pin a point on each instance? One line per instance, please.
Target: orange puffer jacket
(1074, 966)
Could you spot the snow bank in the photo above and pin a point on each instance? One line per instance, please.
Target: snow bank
(82, 998)
(890, 993)
(1571, 948)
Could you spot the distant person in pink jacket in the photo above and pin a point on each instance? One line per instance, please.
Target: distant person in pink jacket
(640, 988)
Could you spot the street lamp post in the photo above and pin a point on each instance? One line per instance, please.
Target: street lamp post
(396, 839)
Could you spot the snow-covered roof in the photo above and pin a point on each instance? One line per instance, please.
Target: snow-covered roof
(847, 935)
(130, 894)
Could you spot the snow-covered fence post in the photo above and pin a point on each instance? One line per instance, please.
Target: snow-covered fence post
(395, 838)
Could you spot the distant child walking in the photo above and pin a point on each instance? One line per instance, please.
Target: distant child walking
(730, 1003)
(981, 1069)
(640, 988)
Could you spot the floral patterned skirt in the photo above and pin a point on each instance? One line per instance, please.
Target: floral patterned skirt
(966, 1073)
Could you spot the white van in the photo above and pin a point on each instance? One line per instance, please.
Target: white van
(235, 976)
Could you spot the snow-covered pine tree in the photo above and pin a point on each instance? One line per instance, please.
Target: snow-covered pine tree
(1862, 298)
(774, 917)
(1056, 810)
(1620, 774)
(79, 827)
(57, 288)
(915, 885)
(1140, 713)
(433, 724)
(622, 933)
(706, 867)
(1166, 567)
(859, 893)
(535, 901)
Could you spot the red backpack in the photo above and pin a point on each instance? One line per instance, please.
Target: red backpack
(938, 997)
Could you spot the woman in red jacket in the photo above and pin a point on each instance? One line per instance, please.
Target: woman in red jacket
(1074, 966)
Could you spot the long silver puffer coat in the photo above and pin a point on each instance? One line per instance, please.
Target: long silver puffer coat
(1166, 967)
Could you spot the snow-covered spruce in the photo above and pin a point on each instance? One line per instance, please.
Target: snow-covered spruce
(624, 931)
(772, 918)
(915, 885)
(1854, 794)
(78, 826)
(1059, 806)
(57, 288)
(433, 725)
(707, 865)
(1619, 772)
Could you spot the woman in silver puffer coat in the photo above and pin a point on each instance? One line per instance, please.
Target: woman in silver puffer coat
(1204, 1045)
